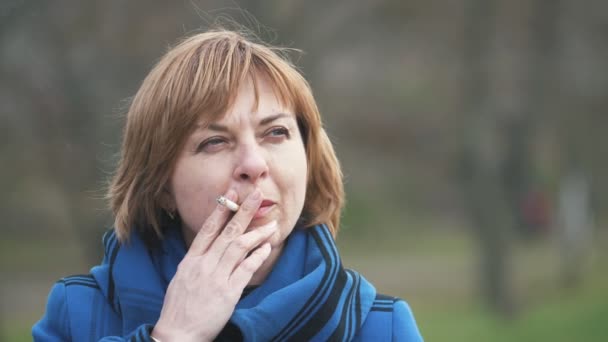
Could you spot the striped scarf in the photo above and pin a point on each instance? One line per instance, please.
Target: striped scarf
(307, 296)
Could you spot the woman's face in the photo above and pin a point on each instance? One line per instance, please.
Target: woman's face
(247, 148)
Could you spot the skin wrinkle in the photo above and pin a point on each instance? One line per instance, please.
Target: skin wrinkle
(250, 155)
(186, 87)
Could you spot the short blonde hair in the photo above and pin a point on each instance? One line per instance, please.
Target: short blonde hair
(200, 78)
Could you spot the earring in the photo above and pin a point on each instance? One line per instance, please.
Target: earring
(170, 214)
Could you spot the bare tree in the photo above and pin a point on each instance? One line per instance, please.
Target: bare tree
(484, 159)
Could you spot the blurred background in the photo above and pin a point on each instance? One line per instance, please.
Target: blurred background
(471, 135)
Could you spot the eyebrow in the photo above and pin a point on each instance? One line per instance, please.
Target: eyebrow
(271, 118)
(263, 122)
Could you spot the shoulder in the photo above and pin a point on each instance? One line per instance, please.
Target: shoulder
(74, 305)
(79, 281)
(54, 325)
(390, 318)
(70, 290)
(384, 303)
(78, 289)
(404, 323)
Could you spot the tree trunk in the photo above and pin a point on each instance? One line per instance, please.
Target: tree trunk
(483, 160)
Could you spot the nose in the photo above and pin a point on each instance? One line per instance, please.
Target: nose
(251, 165)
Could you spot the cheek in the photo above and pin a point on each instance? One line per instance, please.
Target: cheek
(293, 182)
(298, 180)
(194, 191)
(293, 188)
(291, 166)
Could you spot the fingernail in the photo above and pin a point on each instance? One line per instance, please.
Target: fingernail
(252, 201)
(231, 194)
(257, 194)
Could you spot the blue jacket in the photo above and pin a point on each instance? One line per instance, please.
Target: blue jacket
(307, 296)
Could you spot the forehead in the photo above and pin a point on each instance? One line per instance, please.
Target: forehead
(255, 97)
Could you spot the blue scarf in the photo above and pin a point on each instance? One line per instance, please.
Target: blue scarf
(307, 296)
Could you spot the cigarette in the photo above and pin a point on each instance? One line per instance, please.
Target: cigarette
(227, 203)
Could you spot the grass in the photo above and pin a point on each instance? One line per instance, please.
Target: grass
(569, 316)
(17, 332)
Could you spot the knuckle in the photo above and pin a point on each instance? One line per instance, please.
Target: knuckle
(216, 285)
(232, 228)
(208, 227)
(249, 266)
(225, 295)
(242, 243)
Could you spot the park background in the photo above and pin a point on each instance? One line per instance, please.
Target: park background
(471, 136)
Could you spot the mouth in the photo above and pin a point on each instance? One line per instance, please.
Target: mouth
(265, 208)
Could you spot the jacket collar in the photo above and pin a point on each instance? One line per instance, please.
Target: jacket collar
(308, 293)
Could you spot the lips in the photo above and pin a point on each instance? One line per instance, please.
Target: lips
(266, 203)
(264, 209)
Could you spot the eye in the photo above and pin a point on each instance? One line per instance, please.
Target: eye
(211, 144)
(278, 132)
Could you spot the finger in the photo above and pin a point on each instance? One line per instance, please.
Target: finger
(237, 225)
(243, 245)
(243, 273)
(212, 227)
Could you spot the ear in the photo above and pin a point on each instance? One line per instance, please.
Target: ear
(167, 202)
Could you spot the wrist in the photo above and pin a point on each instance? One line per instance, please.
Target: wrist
(163, 335)
(159, 334)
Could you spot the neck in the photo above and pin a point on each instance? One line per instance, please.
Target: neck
(262, 273)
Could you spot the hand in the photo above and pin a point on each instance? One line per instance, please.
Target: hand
(210, 279)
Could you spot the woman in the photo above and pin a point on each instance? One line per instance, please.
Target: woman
(222, 115)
